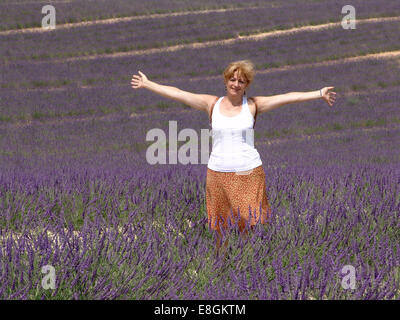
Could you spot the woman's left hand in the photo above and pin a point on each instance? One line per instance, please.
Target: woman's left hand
(328, 95)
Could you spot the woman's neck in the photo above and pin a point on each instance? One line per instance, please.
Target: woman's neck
(235, 101)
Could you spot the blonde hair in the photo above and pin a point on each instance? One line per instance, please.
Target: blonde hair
(245, 69)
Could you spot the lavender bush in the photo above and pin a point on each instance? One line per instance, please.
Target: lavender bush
(129, 234)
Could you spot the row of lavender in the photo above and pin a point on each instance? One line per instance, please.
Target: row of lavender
(350, 110)
(114, 230)
(117, 133)
(29, 14)
(118, 143)
(23, 15)
(273, 51)
(186, 28)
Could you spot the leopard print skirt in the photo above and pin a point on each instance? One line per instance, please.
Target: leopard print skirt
(231, 196)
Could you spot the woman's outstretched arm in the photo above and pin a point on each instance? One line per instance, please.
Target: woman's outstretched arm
(197, 101)
(265, 104)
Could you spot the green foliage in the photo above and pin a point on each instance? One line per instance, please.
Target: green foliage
(163, 105)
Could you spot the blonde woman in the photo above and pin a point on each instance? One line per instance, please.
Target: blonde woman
(235, 186)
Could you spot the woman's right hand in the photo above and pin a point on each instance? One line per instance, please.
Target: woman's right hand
(138, 81)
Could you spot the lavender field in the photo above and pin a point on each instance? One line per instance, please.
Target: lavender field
(76, 190)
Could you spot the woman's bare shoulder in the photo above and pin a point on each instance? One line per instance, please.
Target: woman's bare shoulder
(211, 102)
(252, 105)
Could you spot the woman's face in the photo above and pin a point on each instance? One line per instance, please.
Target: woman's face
(236, 85)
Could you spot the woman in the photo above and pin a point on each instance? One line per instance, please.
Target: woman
(235, 186)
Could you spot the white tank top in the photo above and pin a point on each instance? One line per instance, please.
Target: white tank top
(233, 141)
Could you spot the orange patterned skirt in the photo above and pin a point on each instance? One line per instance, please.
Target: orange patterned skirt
(231, 196)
